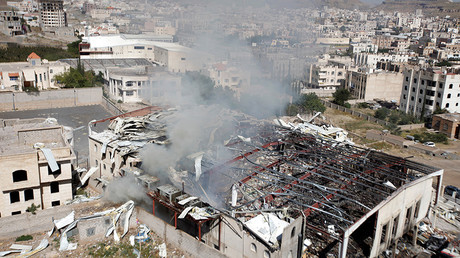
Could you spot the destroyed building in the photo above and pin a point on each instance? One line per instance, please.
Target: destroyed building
(283, 193)
(36, 159)
(115, 151)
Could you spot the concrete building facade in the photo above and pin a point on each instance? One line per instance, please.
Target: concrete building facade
(448, 124)
(52, 14)
(28, 176)
(379, 85)
(10, 23)
(425, 90)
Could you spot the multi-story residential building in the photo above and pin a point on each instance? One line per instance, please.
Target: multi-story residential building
(135, 84)
(10, 23)
(383, 42)
(326, 77)
(35, 73)
(371, 60)
(36, 165)
(367, 86)
(364, 47)
(52, 14)
(425, 90)
(229, 77)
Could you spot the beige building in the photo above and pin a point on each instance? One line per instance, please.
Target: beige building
(378, 85)
(36, 165)
(448, 124)
(52, 13)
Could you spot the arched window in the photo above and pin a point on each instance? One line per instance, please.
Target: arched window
(19, 175)
(253, 248)
(293, 232)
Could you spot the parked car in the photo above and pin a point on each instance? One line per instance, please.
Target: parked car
(429, 144)
(410, 137)
(450, 189)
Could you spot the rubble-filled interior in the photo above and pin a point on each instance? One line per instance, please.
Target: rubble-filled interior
(332, 184)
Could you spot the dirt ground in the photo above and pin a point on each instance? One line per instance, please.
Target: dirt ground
(357, 130)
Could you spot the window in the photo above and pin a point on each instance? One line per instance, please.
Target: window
(15, 213)
(55, 203)
(14, 78)
(395, 226)
(293, 232)
(253, 248)
(28, 194)
(413, 89)
(417, 209)
(451, 86)
(415, 80)
(407, 79)
(419, 100)
(412, 98)
(54, 186)
(423, 82)
(448, 96)
(447, 105)
(383, 234)
(182, 58)
(104, 167)
(129, 93)
(404, 96)
(266, 254)
(440, 85)
(97, 163)
(51, 70)
(139, 47)
(421, 91)
(14, 197)
(439, 94)
(19, 175)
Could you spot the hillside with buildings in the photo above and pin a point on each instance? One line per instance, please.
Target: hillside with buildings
(430, 7)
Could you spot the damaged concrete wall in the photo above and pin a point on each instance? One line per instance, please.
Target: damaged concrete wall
(26, 224)
(401, 213)
(52, 98)
(191, 246)
(94, 229)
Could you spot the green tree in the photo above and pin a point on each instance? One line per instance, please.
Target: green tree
(73, 48)
(341, 96)
(311, 103)
(76, 78)
(382, 113)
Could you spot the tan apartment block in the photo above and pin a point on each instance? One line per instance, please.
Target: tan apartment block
(28, 176)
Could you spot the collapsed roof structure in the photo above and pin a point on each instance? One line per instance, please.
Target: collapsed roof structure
(291, 193)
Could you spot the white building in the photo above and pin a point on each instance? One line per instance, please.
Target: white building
(36, 73)
(364, 47)
(135, 84)
(121, 46)
(425, 90)
(371, 60)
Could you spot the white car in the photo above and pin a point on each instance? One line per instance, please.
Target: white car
(429, 144)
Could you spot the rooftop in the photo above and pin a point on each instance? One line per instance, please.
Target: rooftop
(20, 136)
(454, 117)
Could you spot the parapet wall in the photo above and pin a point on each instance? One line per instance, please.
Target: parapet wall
(10, 101)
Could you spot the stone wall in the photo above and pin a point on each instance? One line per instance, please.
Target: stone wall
(10, 101)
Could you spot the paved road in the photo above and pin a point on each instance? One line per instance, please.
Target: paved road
(75, 117)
